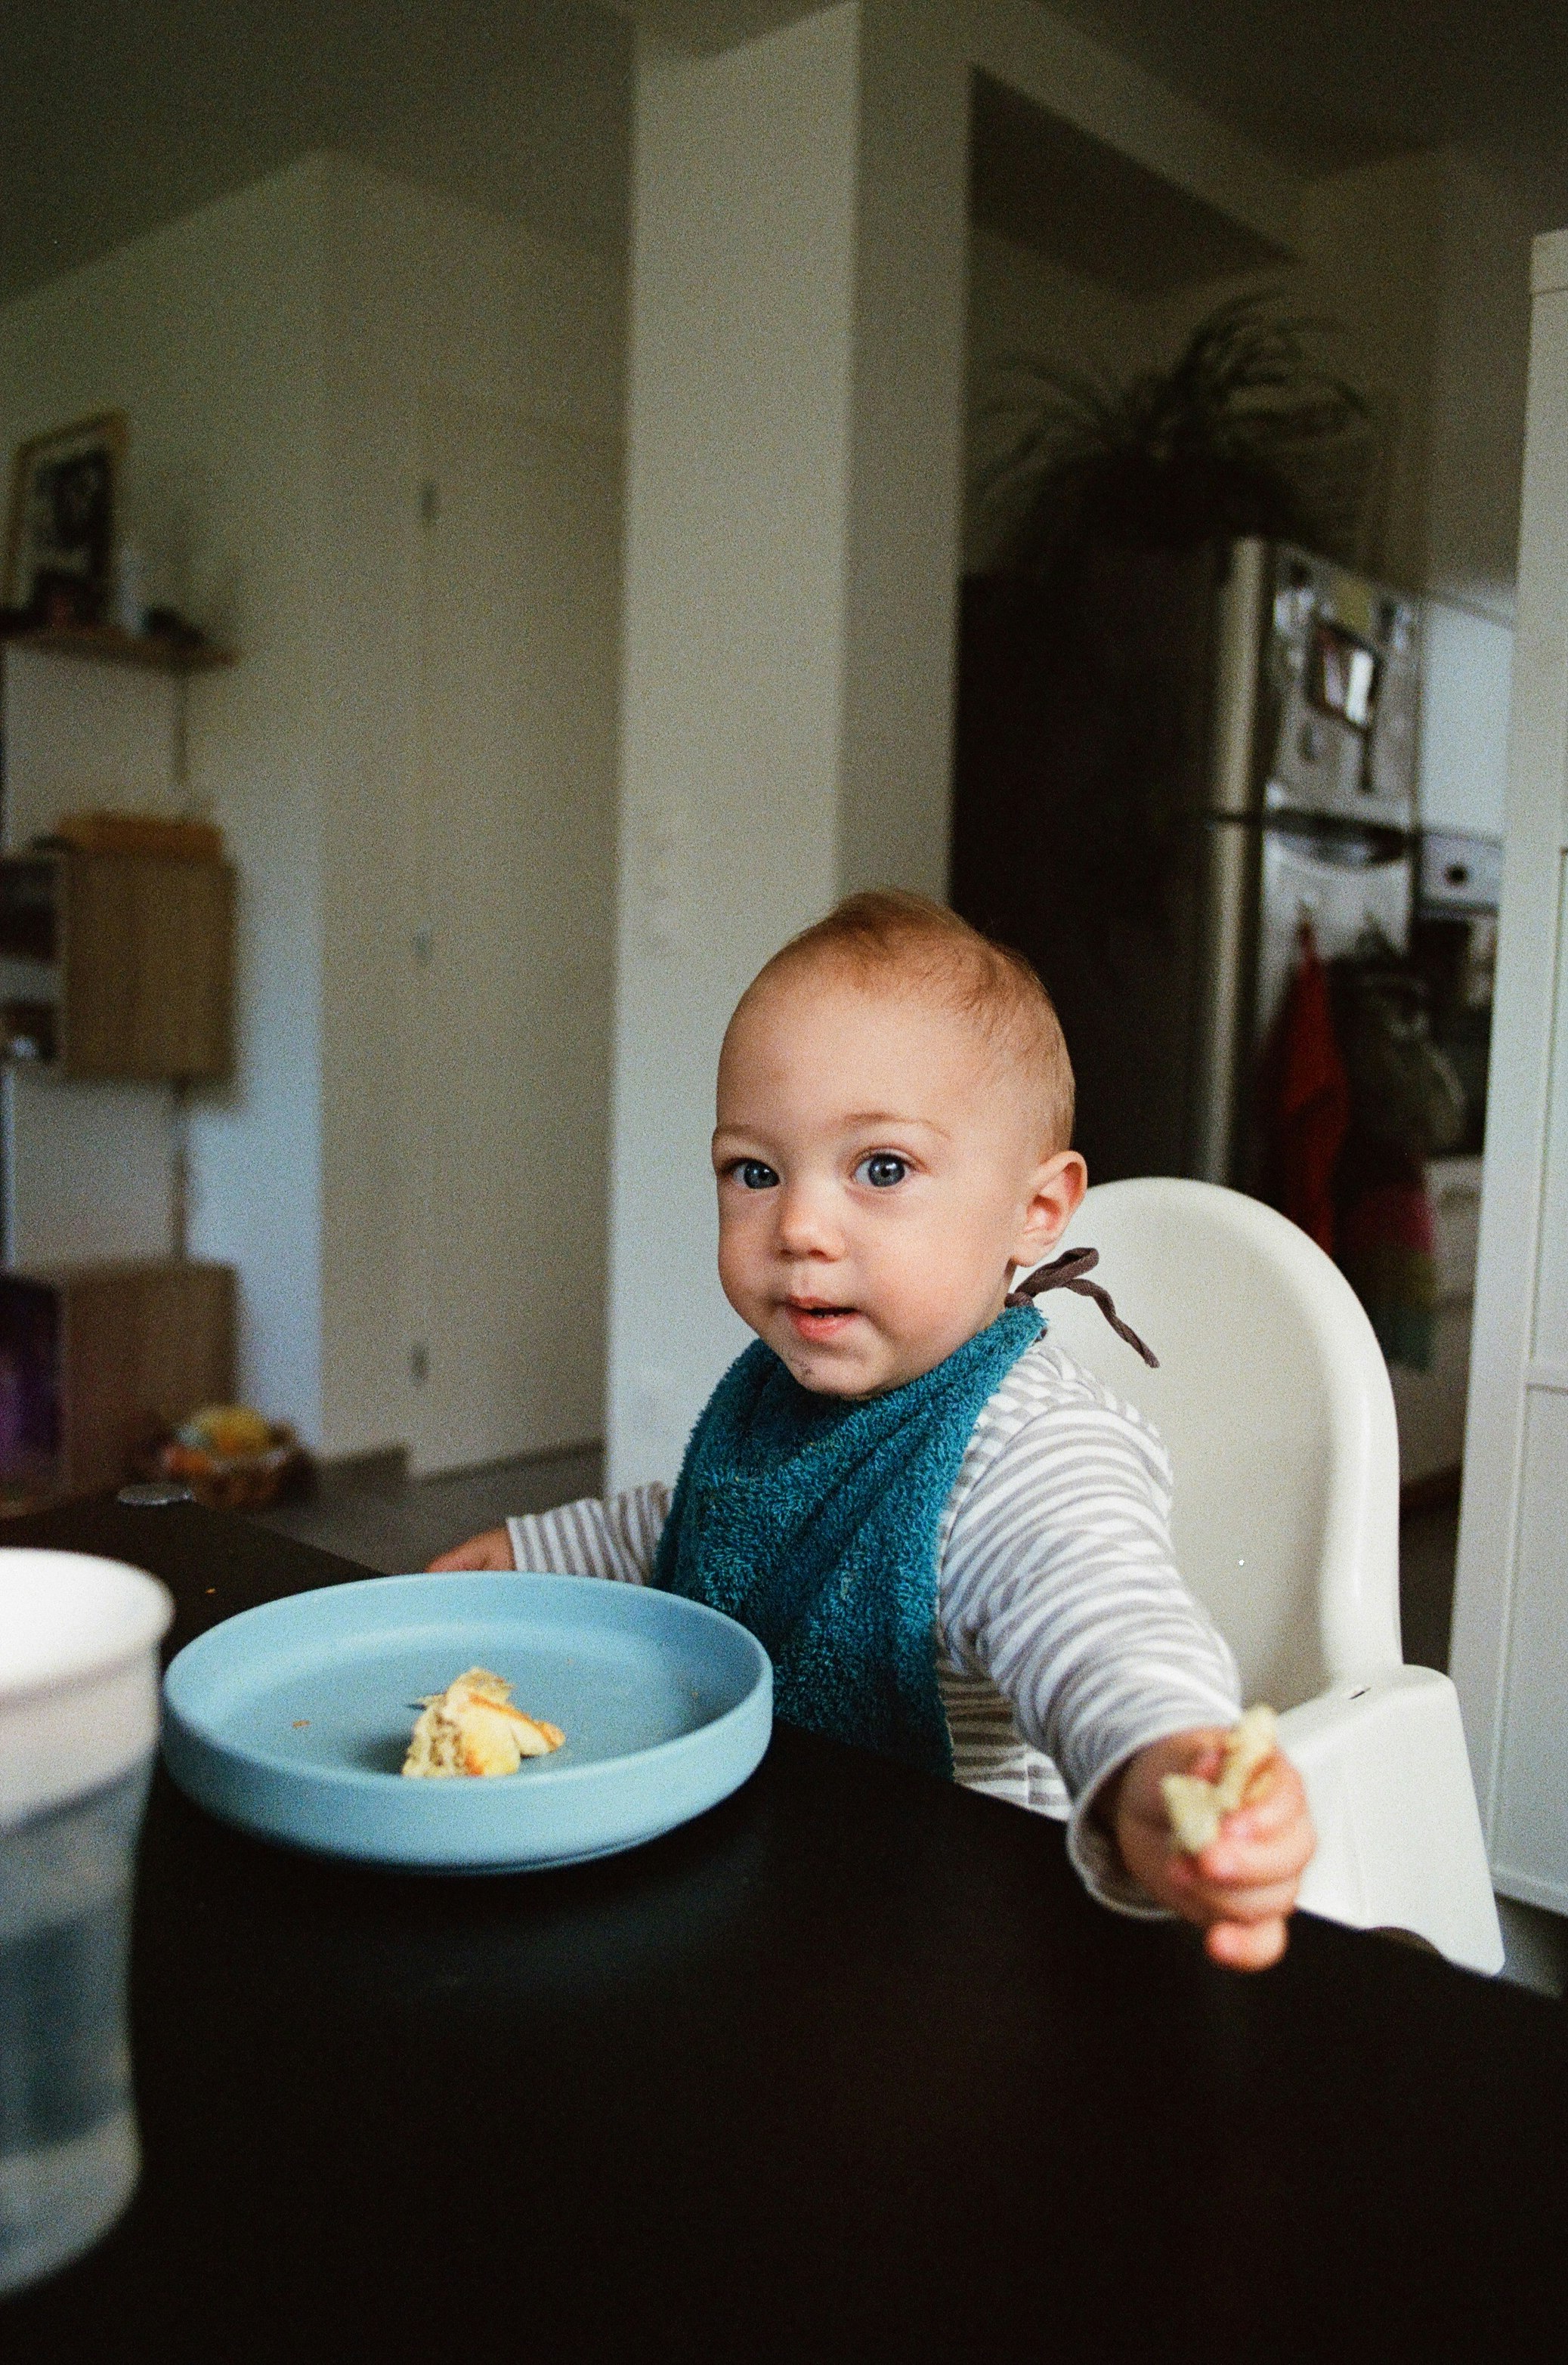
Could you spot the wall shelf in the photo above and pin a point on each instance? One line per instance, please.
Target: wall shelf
(151, 651)
(117, 960)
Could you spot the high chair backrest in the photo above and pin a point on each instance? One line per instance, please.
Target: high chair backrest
(1274, 1401)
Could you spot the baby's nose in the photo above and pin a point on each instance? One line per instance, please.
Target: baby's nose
(806, 1221)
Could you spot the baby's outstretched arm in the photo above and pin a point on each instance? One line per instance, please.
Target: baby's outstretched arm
(617, 1539)
(1240, 1889)
(490, 1550)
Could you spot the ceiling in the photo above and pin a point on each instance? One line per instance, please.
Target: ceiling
(1326, 83)
(1042, 183)
(117, 115)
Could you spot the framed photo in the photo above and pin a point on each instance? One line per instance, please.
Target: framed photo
(60, 547)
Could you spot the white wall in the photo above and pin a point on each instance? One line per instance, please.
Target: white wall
(793, 532)
(906, 455)
(737, 481)
(270, 351)
(420, 295)
(208, 334)
(1372, 246)
(1476, 453)
(1425, 259)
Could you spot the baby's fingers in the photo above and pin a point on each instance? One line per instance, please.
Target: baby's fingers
(1223, 1901)
(1233, 1861)
(1267, 1841)
(492, 1550)
(1225, 1884)
(1275, 1800)
(1244, 1947)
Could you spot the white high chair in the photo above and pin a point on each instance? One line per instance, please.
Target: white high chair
(1273, 1399)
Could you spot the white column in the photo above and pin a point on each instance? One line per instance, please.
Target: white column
(792, 528)
(1509, 1655)
(905, 513)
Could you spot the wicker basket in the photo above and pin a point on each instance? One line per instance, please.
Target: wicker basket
(236, 1482)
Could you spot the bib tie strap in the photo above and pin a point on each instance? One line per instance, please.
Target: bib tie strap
(1068, 1272)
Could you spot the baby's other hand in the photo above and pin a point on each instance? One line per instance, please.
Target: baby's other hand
(491, 1550)
(1241, 1890)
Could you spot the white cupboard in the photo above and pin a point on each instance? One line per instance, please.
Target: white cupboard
(1467, 669)
(1430, 1404)
(1509, 1657)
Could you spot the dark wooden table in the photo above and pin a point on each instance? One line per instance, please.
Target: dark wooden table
(848, 2068)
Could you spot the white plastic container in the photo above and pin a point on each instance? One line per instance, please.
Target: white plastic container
(78, 1725)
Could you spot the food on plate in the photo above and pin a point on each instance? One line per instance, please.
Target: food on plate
(1196, 1808)
(473, 1728)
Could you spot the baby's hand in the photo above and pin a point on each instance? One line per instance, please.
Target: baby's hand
(491, 1550)
(1242, 1888)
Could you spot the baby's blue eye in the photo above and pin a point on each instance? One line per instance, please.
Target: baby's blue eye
(882, 1170)
(755, 1176)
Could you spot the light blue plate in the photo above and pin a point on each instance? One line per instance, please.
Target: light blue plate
(292, 1720)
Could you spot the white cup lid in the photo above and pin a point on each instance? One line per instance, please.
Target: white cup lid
(68, 1615)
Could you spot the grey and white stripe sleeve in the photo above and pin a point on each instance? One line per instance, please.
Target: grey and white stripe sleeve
(615, 1539)
(1060, 1583)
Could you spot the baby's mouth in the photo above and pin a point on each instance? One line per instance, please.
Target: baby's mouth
(816, 1319)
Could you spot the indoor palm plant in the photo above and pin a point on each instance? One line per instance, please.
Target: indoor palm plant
(1247, 434)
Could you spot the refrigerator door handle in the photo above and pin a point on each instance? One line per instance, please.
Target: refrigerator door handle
(1228, 924)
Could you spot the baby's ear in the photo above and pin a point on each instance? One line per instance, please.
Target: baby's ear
(1057, 1186)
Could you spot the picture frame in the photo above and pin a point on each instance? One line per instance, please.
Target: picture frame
(60, 541)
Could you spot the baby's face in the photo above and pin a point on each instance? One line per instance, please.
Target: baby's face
(879, 1178)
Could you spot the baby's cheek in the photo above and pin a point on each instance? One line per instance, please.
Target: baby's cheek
(900, 1299)
(922, 1325)
(737, 1277)
(941, 1288)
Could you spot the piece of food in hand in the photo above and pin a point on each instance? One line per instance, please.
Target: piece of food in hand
(1196, 1808)
(473, 1728)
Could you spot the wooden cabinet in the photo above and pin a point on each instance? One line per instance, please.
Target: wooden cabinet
(121, 964)
(94, 1356)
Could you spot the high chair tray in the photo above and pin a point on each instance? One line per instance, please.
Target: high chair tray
(292, 1720)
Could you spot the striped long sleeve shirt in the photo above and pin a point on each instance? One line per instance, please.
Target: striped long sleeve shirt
(1064, 1639)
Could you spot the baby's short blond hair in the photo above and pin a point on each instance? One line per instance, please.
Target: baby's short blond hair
(890, 939)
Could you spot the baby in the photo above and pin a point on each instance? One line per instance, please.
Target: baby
(953, 1539)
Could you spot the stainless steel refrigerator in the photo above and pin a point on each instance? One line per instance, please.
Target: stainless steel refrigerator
(1166, 761)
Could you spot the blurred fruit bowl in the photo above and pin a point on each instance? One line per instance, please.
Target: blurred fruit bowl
(232, 1462)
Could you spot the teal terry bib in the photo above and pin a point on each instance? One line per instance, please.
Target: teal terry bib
(814, 1520)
